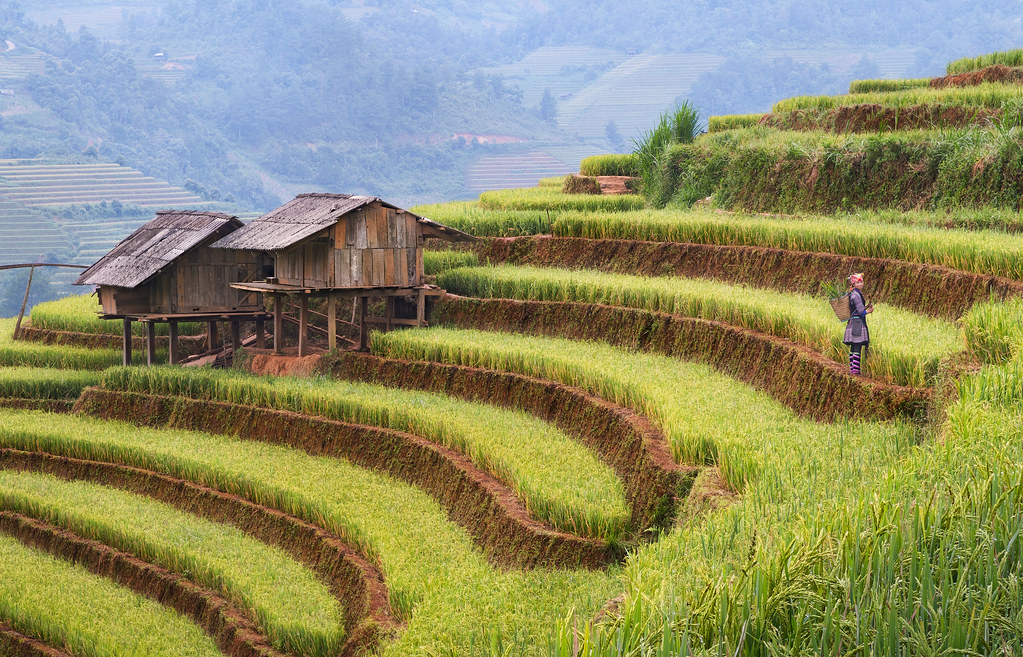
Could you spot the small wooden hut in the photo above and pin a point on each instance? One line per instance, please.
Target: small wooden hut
(341, 246)
(166, 272)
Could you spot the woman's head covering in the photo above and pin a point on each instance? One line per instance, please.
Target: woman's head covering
(855, 278)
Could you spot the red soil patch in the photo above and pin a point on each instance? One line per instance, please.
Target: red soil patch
(233, 633)
(800, 378)
(16, 644)
(351, 578)
(612, 185)
(925, 289)
(264, 362)
(627, 442)
(479, 502)
(996, 73)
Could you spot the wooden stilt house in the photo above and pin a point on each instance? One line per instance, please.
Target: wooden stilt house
(166, 272)
(341, 246)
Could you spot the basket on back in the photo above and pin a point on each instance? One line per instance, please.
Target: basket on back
(841, 307)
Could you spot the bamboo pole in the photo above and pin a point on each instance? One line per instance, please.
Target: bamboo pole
(24, 302)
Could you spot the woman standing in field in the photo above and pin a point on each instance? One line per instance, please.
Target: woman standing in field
(857, 336)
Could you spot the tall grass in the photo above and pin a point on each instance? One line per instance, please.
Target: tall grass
(558, 479)
(981, 252)
(883, 86)
(679, 125)
(988, 95)
(732, 121)
(80, 314)
(544, 199)
(30, 354)
(905, 347)
(296, 610)
(618, 164)
(438, 579)
(968, 64)
(67, 607)
(472, 218)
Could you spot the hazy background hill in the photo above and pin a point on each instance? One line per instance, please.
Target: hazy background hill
(239, 104)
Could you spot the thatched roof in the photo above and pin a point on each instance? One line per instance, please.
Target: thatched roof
(143, 254)
(308, 214)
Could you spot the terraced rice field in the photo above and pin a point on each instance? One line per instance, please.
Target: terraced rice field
(62, 184)
(630, 432)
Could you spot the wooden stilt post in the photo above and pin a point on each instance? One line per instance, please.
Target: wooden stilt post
(331, 321)
(303, 327)
(172, 346)
(363, 326)
(390, 313)
(236, 334)
(212, 336)
(278, 324)
(260, 334)
(127, 341)
(24, 302)
(421, 307)
(150, 343)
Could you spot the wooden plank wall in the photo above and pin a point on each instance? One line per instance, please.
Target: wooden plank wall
(377, 247)
(200, 281)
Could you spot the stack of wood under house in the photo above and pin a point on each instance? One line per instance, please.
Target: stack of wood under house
(166, 272)
(340, 246)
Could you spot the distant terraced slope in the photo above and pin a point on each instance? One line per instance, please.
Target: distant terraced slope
(633, 94)
(40, 183)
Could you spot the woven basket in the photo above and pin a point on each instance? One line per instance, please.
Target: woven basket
(841, 307)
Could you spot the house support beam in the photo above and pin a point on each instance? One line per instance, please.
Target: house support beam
(303, 327)
(127, 341)
(150, 343)
(363, 324)
(172, 343)
(331, 322)
(278, 325)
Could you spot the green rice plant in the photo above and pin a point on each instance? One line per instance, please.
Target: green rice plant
(906, 348)
(980, 252)
(1011, 58)
(470, 217)
(435, 262)
(680, 125)
(544, 198)
(32, 354)
(614, 164)
(988, 95)
(44, 382)
(733, 121)
(67, 607)
(296, 610)
(437, 578)
(554, 182)
(883, 86)
(80, 314)
(706, 416)
(558, 479)
(982, 218)
(994, 330)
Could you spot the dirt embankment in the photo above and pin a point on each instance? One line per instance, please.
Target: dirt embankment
(996, 73)
(487, 508)
(627, 442)
(925, 289)
(187, 344)
(800, 378)
(351, 578)
(15, 644)
(876, 118)
(49, 405)
(234, 634)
